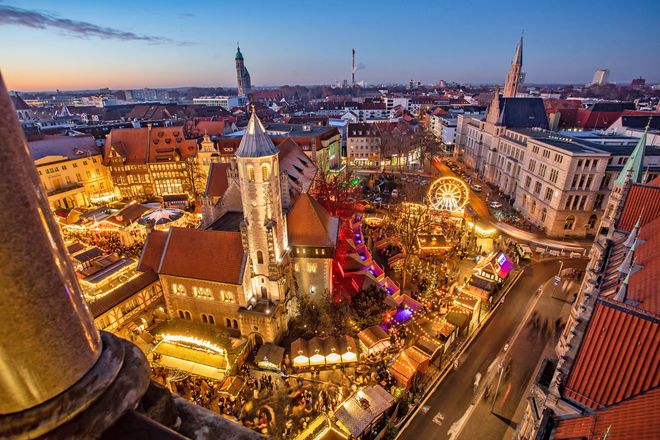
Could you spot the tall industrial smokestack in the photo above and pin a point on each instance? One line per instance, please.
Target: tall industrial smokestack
(353, 69)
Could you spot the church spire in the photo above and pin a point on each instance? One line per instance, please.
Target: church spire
(632, 237)
(494, 109)
(633, 169)
(255, 141)
(623, 290)
(515, 72)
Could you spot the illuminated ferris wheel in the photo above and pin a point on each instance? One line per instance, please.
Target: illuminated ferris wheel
(448, 194)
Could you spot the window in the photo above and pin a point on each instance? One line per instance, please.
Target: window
(569, 223)
(528, 181)
(548, 194)
(537, 187)
(181, 315)
(592, 221)
(228, 322)
(542, 169)
(587, 163)
(605, 183)
(583, 201)
(568, 202)
(227, 296)
(590, 179)
(235, 323)
(546, 153)
(202, 292)
(264, 172)
(553, 176)
(250, 173)
(598, 203)
(260, 257)
(188, 316)
(532, 165)
(311, 267)
(178, 289)
(544, 214)
(579, 164)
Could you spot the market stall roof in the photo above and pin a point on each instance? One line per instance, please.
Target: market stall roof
(271, 353)
(104, 271)
(429, 346)
(445, 328)
(373, 335)
(365, 406)
(458, 316)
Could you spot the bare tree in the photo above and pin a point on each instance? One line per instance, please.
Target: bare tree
(429, 145)
(194, 177)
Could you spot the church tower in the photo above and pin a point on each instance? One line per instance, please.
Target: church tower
(242, 74)
(264, 224)
(514, 76)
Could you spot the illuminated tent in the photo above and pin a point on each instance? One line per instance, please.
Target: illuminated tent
(323, 351)
(359, 412)
(407, 364)
(374, 339)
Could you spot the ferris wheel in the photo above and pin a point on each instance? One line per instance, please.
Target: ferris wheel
(448, 194)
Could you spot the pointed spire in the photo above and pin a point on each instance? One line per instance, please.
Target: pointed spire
(623, 290)
(632, 237)
(255, 141)
(627, 263)
(632, 170)
(518, 55)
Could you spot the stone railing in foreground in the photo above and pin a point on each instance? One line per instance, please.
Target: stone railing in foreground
(59, 377)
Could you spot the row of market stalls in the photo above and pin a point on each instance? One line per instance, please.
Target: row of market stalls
(489, 273)
(328, 351)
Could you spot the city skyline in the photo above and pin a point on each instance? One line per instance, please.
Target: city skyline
(88, 47)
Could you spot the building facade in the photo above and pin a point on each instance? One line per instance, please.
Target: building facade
(363, 145)
(71, 170)
(152, 161)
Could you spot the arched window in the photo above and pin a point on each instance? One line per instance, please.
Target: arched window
(228, 322)
(181, 315)
(264, 172)
(211, 320)
(235, 324)
(592, 221)
(204, 320)
(250, 173)
(260, 257)
(188, 316)
(569, 223)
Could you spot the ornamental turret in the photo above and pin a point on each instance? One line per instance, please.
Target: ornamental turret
(514, 76)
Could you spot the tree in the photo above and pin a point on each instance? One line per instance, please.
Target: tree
(409, 220)
(334, 191)
(194, 177)
(428, 145)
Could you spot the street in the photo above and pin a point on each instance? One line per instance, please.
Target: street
(525, 321)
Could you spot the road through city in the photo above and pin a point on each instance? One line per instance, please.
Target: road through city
(526, 321)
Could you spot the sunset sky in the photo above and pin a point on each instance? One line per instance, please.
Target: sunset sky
(133, 44)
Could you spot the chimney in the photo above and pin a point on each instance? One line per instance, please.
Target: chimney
(353, 69)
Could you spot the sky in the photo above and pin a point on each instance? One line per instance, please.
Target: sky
(70, 44)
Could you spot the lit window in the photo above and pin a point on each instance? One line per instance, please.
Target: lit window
(250, 173)
(264, 172)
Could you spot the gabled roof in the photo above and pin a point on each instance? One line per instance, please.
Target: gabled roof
(70, 147)
(619, 357)
(309, 224)
(19, 103)
(637, 418)
(217, 182)
(149, 145)
(200, 254)
(255, 141)
(522, 112)
(152, 251)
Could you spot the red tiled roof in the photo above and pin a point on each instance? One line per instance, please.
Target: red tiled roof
(204, 255)
(152, 251)
(309, 224)
(637, 418)
(144, 145)
(218, 181)
(641, 199)
(643, 289)
(618, 359)
(212, 128)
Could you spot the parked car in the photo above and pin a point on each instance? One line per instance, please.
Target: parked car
(495, 205)
(476, 188)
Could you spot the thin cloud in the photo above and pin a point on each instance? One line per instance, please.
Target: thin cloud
(10, 15)
(186, 15)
